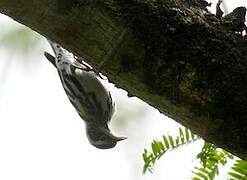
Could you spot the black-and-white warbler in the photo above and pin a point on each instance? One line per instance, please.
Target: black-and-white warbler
(88, 95)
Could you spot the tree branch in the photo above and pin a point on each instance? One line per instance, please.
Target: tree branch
(172, 54)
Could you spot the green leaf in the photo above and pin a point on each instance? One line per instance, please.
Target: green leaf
(187, 134)
(171, 141)
(193, 136)
(166, 142)
(161, 146)
(177, 141)
(236, 175)
(239, 170)
(196, 178)
(227, 154)
(144, 156)
(154, 148)
(181, 135)
(200, 174)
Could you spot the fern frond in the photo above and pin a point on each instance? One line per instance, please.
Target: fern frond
(159, 148)
(210, 158)
(239, 170)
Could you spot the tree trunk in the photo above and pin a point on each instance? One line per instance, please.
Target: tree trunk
(172, 54)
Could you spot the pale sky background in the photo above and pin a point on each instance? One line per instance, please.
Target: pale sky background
(42, 137)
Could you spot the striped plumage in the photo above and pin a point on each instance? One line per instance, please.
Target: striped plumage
(88, 95)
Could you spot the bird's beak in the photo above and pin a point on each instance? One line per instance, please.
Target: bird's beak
(50, 58)
(120, 138)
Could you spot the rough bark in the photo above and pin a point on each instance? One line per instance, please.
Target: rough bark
(172, 54)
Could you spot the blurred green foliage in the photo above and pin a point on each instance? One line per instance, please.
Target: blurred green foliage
(210, 158)
(239, 170)
(19, 39)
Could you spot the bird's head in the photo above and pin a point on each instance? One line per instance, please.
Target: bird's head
(102, 138)
(61, 54)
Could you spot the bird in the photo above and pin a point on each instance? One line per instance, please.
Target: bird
(90, 98)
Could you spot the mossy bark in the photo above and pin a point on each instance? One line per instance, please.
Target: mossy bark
(173, 54)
